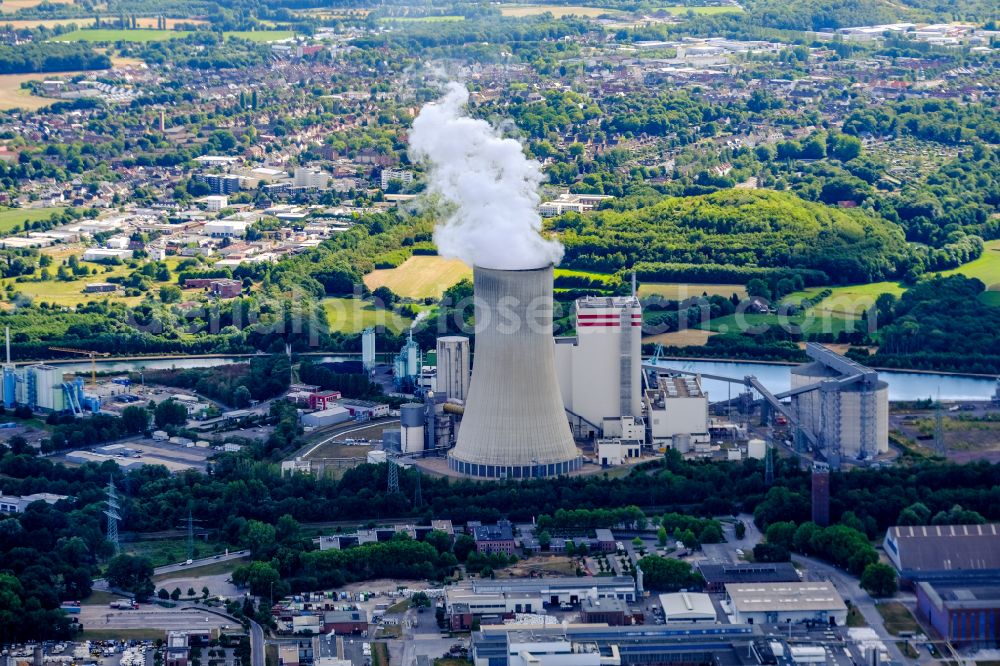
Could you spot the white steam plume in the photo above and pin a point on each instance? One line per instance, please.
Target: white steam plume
(492, 185)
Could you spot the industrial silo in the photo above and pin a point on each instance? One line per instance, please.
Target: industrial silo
(411, 421)
(514, 424)
(853, 415)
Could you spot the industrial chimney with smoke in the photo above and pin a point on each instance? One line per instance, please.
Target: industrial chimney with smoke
(514, 425)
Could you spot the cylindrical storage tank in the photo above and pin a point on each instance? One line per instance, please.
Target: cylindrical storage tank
(392, 439)
(682, 443)
(411, 414)
(864, 428)
(515, 424)
(412, 439)
(734, 455)
(756, 449)
(809, 405)
(375, 457)
(9, 387)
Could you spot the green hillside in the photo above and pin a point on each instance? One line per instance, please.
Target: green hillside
(742, 228)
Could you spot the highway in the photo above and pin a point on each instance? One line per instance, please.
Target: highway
(101, 584)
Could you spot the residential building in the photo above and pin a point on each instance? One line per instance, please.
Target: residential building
(492, 539)
(405, 177)
(221, 183)
(215, 202)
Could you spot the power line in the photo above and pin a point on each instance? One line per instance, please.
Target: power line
(113, 514)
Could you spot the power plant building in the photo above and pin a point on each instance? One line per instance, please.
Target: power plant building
(600, 369)
(453, 367)
(42, 387)
(676, 413)
(514, 425)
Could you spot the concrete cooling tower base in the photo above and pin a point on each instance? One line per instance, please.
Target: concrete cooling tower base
(515, 425)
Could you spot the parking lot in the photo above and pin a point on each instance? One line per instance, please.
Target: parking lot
(149, 617)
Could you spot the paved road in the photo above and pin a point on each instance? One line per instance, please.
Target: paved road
(850, 589)
(256, 644)
(101, 584)
(421, 636)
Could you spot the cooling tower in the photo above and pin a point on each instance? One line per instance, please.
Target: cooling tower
(514, 425)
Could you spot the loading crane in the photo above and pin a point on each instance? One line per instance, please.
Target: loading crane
(84, 352)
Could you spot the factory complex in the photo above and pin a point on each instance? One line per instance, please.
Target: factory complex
(519, 402)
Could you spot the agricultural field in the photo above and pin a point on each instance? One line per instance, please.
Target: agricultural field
(557, 11)
(691, 337)
(680, 291)
(353, 315)
(172, 23)
(16, 217)
(13, 96)
(13, 6)
(420, 276)
(112, 35)
(31, 24)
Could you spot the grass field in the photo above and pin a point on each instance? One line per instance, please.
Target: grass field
(11, 217)
(100, 598)
(680, 291)
(851, 300)
(212, 569)
(985, 268)
(71, 293)
(897, 618)
(170, 551)
(557, 11)
(352, 315)
(420, 276)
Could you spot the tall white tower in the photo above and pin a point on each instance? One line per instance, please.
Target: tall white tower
(600, 370)
(514, 424)
(453, 367)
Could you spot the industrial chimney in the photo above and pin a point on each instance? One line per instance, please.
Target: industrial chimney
(514, 425)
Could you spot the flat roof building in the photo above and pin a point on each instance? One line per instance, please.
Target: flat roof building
(783, 603)
(718, 575)
(586, 644)
(967, 615)
(563, 589)
(687, 607)
(945, 552)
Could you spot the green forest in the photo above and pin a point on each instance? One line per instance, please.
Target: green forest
(738, 227)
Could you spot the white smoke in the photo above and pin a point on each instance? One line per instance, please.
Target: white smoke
(493, 186)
